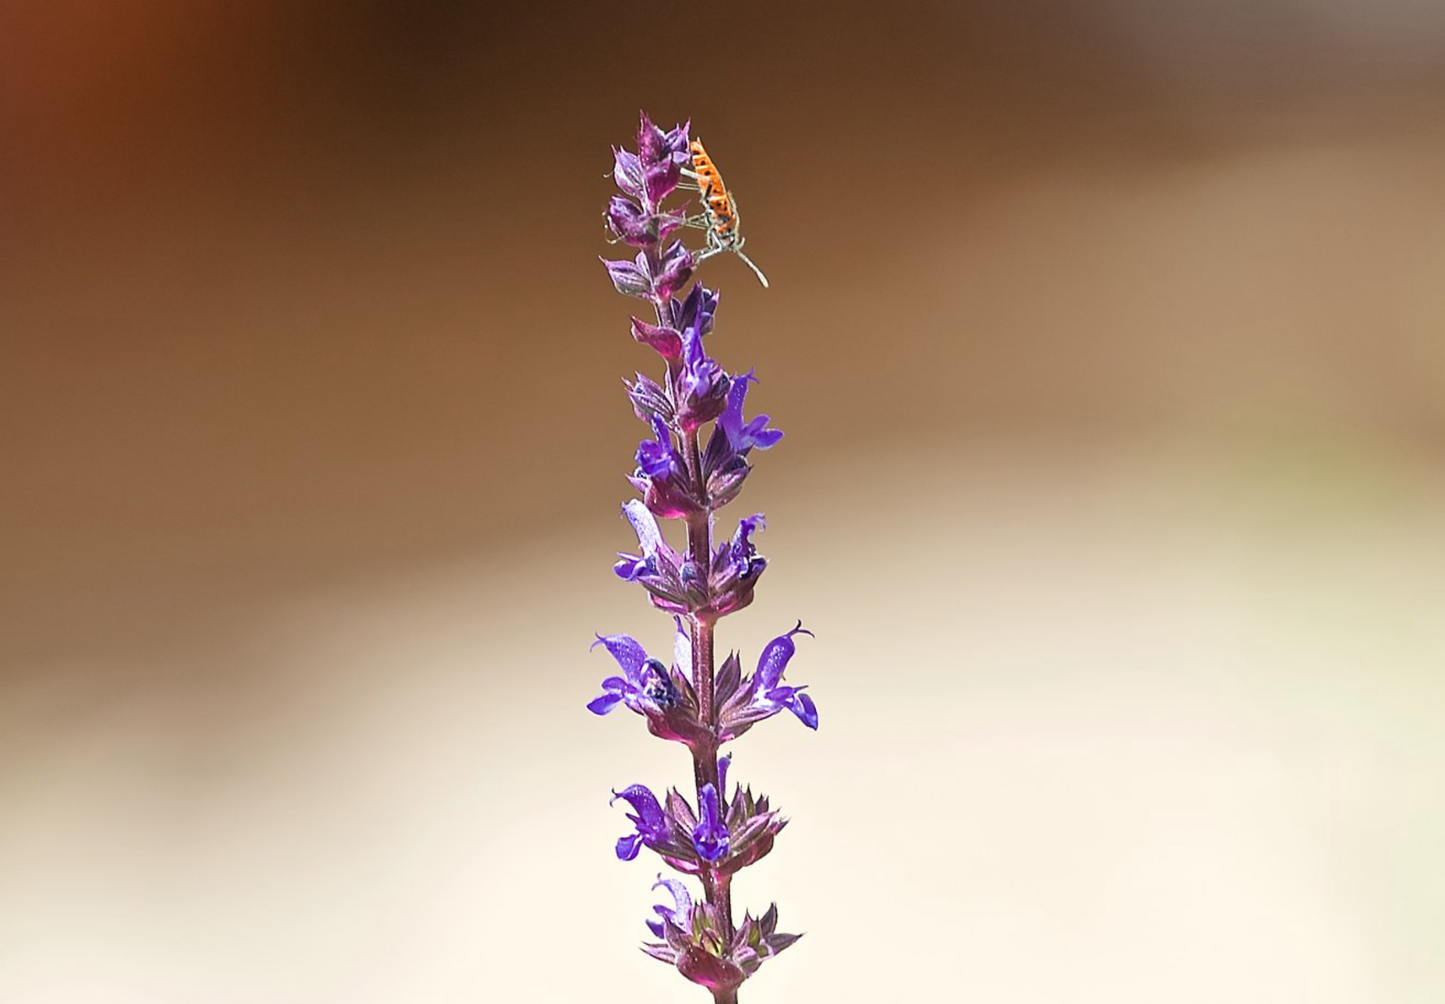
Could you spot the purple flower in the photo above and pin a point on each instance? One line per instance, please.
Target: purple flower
(736, 566)
(661, 478)
(646, 815)
(630, 567)
(679, 915)
(768, 691)
(739, 557)
(702, 384)
(658, 569)
(700, 304)
(710, 837)
(741, 435)
(657, 558)
(663, 696)
(655, 457)
(645, 684)
(743, 703)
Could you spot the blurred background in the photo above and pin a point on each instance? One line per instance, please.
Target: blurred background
(1107, 340)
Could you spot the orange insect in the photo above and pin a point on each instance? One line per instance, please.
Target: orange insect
(719, 217)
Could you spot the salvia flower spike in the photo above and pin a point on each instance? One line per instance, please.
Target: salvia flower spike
(721, 828)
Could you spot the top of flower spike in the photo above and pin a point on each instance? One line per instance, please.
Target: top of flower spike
(637, 218)
(652, 173)
(655, 146)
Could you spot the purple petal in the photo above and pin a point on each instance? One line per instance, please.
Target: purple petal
(655, 456)
(747, 526)
(740, 552)
(644, 524)
(731, 420)
(681, 912)
(700, 304)
(602, 705)
(628, 846)
(644, 803)
(722, 775)
(743, 436)
(760, 435)
(682, 648)
(655, 926)
(710, 837)
(630, 567)
(775, 659)
(807, 712)
(630, 655)
(795, 701)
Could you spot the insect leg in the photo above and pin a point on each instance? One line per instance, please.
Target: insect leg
(714, 246)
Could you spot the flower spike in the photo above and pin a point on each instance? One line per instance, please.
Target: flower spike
(695, 460)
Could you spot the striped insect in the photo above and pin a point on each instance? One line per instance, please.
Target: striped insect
(719, 218)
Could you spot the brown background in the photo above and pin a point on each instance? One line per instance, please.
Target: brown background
(1107, 339)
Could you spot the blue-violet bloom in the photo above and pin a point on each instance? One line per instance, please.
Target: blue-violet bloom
(710, 837)
(679, 915)
(743, 435)
(646, 815)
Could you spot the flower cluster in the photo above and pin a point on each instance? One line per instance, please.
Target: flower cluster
(721, 836)
(693, 940)
(686, 471)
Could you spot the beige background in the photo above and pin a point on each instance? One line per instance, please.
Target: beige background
(1107, 341)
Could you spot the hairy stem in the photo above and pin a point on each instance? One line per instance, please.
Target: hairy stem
(704, 756)
(717, 888)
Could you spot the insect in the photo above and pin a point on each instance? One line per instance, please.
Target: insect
(719, 218)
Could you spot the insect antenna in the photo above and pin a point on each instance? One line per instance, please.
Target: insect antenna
(749, 263)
